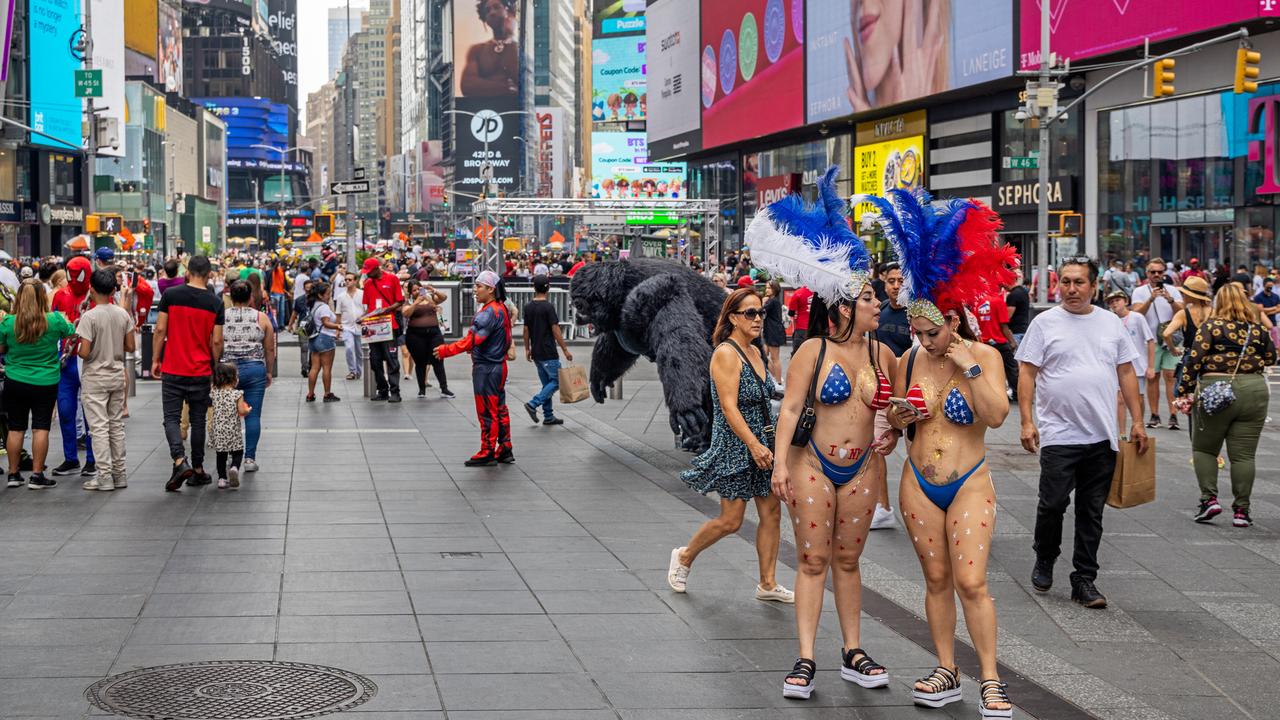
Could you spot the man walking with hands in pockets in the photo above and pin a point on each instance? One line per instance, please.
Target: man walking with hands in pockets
(1073, 387)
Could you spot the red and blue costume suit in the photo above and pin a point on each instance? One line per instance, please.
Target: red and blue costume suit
(487, 341)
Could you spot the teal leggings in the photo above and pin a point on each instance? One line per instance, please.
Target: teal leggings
(1239, 426)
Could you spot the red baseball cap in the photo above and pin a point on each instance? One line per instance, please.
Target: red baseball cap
(371, 264)
(745, 282)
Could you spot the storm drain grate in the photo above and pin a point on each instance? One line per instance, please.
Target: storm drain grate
(231, 690)
(461, 555)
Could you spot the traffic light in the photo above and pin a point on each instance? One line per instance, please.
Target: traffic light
(324, 223)
(1162, 73)
(1247, 70)
(103, 223)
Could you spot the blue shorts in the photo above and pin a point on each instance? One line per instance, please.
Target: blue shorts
(322, 343)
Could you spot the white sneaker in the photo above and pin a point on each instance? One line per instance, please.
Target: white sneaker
(120, 482)
(883, 519)
(250, 465)
(233, 478)
(677, 574)
(777, 594)
(94, 484)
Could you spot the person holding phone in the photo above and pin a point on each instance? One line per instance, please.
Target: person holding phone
(423, 336)
(947, 393)
(1159, 300)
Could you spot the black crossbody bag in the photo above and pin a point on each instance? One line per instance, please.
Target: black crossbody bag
(808, 418)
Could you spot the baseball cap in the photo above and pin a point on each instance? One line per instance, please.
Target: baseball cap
(1117, 294)
(370, 264)
(745, 282)
(104, 254)
(26, 272)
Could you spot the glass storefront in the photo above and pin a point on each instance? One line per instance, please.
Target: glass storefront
(1174, 182)
(718, 179)
(810, 159)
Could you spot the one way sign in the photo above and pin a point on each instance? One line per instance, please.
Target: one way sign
(349, 187)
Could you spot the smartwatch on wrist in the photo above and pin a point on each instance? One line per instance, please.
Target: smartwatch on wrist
(973, 371)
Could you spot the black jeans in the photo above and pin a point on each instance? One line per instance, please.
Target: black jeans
(384, 358)
(797, 339)
(1087, 470)
(194, 391)
(1010, 365)
(422, 342)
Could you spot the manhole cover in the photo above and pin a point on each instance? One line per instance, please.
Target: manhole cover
(231, 690)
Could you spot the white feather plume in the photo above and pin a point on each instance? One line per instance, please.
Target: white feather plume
(823, 269)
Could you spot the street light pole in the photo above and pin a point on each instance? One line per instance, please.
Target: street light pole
(1045, 110)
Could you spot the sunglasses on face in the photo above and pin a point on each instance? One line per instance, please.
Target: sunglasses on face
(752, 314)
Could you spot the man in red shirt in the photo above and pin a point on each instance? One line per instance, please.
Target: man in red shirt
(1194, 270)
(798, 310)
(187, 341)
(72, 301)
(384, 296)
(993, 322)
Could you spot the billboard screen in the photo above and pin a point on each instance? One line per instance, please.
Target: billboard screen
(170, 49)
(54, 107)
(620, 168)
(140, 31)
(282, 27)
(1087, 29)
(251, 121)
(108, 54)
(620, 17)
(483, 121)
(752, 68)
(486, 52)
(880, 66)
(675, 123)
(618, 79)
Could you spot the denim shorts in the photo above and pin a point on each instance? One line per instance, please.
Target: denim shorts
(323, 343)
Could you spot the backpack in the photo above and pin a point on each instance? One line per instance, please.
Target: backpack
(310, 326)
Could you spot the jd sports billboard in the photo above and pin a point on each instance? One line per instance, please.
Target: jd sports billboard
(490, 64)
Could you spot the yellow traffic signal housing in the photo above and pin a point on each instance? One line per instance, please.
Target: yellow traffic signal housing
(1247, 70)
(91, 223)
(1162, 73)
(324, 223)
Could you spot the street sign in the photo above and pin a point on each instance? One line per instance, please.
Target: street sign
(349, 188)
(651, 217)
(88, 83)
(357, 174)
(1021, 163)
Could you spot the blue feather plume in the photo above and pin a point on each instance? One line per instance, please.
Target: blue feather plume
(924, 238)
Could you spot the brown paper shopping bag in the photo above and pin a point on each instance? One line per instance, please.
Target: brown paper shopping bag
(1134, 481)
(573, 384)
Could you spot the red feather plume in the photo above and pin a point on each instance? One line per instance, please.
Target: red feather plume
(988, 264)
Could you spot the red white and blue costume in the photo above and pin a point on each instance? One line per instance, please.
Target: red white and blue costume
(488, 341)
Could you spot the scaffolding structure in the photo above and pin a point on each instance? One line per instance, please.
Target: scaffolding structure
(617, 216)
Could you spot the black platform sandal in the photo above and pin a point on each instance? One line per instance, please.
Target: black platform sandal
(803, 670)
(860, 671)
(993, 692)
(944, 688)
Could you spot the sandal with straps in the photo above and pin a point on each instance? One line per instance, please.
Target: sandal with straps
(993, 692)
(802, 670)
(944, 688)
(860, 671)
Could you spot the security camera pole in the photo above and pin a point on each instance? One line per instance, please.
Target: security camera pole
(91, 144)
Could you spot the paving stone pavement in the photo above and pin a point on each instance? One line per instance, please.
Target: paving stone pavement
(538, 590)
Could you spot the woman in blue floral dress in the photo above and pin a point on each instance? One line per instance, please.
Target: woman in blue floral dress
(739, 463)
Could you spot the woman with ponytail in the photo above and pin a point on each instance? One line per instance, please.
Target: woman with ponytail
(29, 341)
(827, 449)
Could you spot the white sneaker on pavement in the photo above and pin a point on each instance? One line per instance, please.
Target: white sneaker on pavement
(677, 574)
(883, 519)
(250, 465)
(94, 484)
(776, 594)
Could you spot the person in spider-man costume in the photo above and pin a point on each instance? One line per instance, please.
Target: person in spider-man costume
(488, 341)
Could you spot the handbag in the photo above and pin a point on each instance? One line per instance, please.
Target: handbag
(808, 418)
(1134, 480)
(1218, 396)
(765, 405)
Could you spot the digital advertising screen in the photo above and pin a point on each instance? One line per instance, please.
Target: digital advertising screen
(251, 121)
(170, 49)
(1088, 29)
(883, 166)
(620, 17)
(860, 57)
(55, 109)
(674, 120)
(620, 169)
(484, 135)
(618, 79)
(752, 68)
(486, 51)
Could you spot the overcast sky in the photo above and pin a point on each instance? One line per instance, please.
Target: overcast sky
(313, 45)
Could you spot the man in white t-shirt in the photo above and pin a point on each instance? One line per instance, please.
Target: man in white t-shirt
(1073, 386)
(1144, 344)
(1159, 300)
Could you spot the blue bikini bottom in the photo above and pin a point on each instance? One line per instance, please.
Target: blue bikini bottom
(942, 495)
(838, 474)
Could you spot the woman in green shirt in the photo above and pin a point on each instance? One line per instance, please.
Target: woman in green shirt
(29, 341)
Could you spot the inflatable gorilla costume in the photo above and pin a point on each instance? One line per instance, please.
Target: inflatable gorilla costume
(664, 311)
